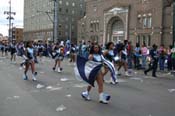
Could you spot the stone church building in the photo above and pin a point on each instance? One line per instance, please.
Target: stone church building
(149, 21)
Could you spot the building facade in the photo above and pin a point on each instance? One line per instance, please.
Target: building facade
(38, 19)
(142, 21)
(17, 34)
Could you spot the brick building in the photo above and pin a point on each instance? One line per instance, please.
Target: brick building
(17, 34)
(149, 21)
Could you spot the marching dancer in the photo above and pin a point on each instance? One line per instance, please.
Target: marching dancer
(95, 55)
(59, 56)
(29, 61)
(109, 55)
(13, 51)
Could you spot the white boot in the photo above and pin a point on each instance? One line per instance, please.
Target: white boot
(59, 70)
(85, 95)
(127, 74)
(112, 81)
(104, 98)
(34, 76)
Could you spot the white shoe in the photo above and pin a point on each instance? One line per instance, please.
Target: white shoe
(59, 70)
(127, 74)
(113, 82)
(104, 98)
(86, 96)
(34, 76)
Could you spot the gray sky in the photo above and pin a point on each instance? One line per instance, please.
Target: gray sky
(17, 6)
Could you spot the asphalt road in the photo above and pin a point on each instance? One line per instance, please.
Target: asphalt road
(56, 94)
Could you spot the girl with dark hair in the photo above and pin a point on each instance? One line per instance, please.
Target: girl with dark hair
(2, 49)
(59, 56)
(95, 55)
(137, 56)
(72, 53)
(13, 51)
(109, 55)
(123, 59)
(30, 61)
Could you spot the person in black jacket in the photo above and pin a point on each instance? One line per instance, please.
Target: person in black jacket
(154, 61)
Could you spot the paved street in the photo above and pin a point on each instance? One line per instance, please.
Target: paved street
(56, 94)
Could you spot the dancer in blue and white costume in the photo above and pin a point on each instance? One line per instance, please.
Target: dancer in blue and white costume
(29, 61)
(109, 55)
(95, 55)
(59, 56)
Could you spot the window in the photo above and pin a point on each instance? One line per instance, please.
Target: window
(73, 33)
(66, 33)
(73, 19)
(91, 27)
(138, 39)
(73, 4)
(60, 9)
(145, 22)
(73, 12)
(95, 8)
(73, 27)
(149, 22)
(67, 3)
(81, 6)
(143, 39)
(67, 10)
(67, 19)
(59, 25)
(60, 2)
(59, 33)
(66, 26)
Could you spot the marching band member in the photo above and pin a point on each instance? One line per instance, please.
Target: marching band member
(29, 61)
(95, 55)
(59, 56)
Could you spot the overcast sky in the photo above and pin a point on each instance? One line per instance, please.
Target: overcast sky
(17, 6)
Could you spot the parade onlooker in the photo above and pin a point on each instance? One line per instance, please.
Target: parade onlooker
(154, 61)
(162, 57)
(144, 51)
(2, 49)
(137, 56)
(13, 51)
(130, 54)
(169, 62)
(173, 57)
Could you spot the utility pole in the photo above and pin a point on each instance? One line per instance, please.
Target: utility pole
(55, 37)
(10, 13)
(70, 31)
(173, 22)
